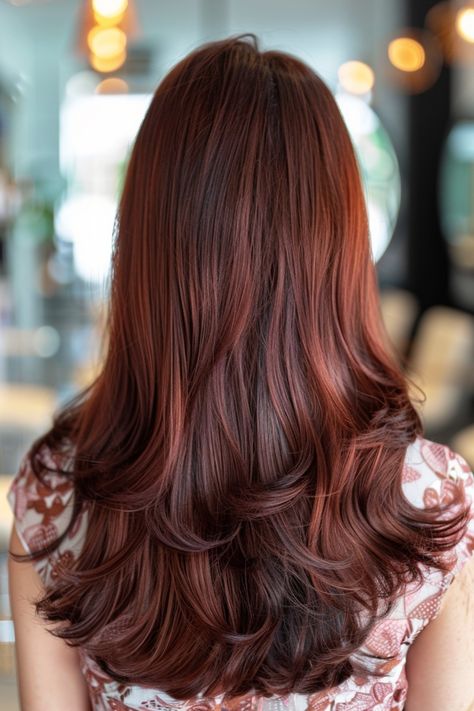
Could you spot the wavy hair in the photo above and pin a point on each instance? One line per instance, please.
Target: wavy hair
(240, 452)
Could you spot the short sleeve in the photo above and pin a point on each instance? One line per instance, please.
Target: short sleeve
(42, 511)
(441, 471)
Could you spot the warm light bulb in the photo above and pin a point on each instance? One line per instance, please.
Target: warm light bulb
(356, 77)
(109, 8)
(406, 54)
(106, 42)
(107, 64)
(465, 23)
(112, 85)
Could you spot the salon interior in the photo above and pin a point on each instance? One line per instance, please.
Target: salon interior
(76, 77)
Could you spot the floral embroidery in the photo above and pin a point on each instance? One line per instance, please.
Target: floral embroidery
(410, 474)
(386, 637)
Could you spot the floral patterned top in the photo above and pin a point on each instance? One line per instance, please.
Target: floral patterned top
(42, 511)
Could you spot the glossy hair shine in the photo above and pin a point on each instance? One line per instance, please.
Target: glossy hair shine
(240, 453)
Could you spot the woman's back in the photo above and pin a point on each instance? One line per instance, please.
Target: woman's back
(429, 473)
(239, 457)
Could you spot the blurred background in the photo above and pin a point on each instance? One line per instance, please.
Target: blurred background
(76, 77)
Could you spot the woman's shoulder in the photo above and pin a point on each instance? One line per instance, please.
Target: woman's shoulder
(41, 498)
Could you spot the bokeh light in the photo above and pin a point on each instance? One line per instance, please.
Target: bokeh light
(112, 85)
(46, 341)
(108, 48)
(413, 60)
(465, 24)
(106, 42)
(356, 77)
(107, 65)
(406, 54)
(109, 11)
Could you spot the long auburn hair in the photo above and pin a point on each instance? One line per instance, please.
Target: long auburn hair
(240, 452)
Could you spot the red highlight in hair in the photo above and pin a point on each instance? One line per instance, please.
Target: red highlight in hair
(240, 453)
